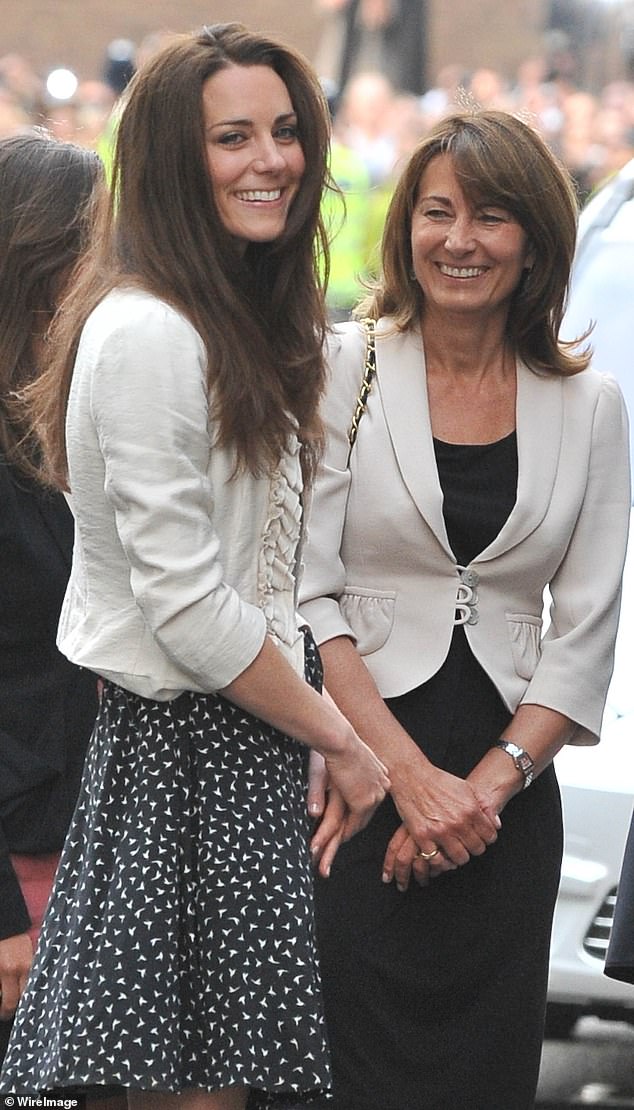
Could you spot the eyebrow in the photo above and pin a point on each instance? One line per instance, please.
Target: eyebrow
(482, 203)
(248, 122)
(436, 197)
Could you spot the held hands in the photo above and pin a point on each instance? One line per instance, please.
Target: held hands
(354, 772)
(340, 816)
(16, 955)
(443, 812)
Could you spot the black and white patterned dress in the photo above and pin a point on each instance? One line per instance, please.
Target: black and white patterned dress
(178, 947)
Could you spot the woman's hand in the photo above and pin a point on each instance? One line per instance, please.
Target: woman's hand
(345, 784)
(325, 801)
(16, 956)
(403, 860)
(330, 833)
(439, 811)
(270, 689)
(360, 777)
(317, 785)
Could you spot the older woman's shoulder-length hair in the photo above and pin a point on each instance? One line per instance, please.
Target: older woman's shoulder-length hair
(260, 314)
(499, 159)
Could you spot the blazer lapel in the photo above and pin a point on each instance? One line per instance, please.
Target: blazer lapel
(539, 419)
(402, 383)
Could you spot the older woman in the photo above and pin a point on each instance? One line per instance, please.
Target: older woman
(490, 463)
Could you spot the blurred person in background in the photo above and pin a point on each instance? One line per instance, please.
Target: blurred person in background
(383, 35)
(345, 211)
(47, 704)
(13, 119)
(23, 84)
(488, 88)
(95, 101)
(364, 123)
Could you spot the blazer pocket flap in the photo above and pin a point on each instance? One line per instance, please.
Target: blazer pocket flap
(525, 631)
(370, 614)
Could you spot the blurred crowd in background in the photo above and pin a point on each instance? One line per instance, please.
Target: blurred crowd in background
(376, 123)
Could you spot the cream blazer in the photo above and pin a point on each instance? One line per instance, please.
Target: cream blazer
(379, 567)
(179, 569)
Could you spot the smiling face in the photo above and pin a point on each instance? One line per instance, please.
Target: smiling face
(255, 159)
(467, 257)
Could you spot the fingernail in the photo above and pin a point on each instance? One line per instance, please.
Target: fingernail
(497, 822)
(399, 886)
(385, 877)
(314, 808)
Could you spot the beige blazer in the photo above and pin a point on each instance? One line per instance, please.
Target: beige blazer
(180, 569)
(379, 567)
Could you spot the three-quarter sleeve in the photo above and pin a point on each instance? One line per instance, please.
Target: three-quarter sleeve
(149, 406)
(577, 651)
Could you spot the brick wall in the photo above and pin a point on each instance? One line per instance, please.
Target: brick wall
(494, 33)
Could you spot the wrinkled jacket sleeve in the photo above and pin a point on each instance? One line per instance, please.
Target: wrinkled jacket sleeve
(577, 657)
(150, 409)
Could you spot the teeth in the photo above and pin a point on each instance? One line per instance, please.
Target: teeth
(261, 194)
(462, 271)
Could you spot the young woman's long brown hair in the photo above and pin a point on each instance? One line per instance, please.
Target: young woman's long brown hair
(46, 188)
(261, 315)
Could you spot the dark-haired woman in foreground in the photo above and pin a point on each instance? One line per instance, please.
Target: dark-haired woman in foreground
(177, 956)
(47, 704)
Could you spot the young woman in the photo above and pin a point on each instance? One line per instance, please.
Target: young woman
(177, 957)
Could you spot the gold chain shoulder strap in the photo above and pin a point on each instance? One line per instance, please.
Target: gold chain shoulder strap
(369, 371)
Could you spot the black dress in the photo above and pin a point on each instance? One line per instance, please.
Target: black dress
(435, 997)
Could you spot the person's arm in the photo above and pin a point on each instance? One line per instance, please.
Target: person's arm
(540, 732)
(577, 651)
(438, 809)
(270, 689)
(565, 698)
(429, 800)
(149, 404)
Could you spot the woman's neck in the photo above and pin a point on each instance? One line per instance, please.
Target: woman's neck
(462, 349)
(471, 383)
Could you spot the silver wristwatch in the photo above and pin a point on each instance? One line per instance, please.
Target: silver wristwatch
(521, 759)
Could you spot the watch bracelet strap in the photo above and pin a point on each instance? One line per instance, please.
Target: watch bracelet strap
(516, 755)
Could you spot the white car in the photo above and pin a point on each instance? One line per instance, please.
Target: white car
(597, 784)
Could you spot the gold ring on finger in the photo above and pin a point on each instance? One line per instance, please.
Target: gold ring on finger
(428, 855)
